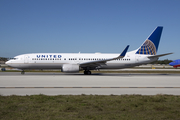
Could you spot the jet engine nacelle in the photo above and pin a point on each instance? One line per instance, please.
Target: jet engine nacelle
(70, 68)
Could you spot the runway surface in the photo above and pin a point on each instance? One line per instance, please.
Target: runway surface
(13, 83)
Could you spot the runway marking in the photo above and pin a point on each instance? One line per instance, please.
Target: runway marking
(83, 87)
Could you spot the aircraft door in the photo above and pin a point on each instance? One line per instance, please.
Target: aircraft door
(137, 59)
(26, 59)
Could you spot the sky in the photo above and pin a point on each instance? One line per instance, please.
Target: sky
(87, 26)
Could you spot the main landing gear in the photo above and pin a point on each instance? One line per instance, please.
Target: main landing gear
(87, 72)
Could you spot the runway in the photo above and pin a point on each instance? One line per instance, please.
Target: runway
(13, 83)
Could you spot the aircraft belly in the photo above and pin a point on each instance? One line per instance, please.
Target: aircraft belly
(45, 66)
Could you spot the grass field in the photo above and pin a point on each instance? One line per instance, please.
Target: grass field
(90, 107)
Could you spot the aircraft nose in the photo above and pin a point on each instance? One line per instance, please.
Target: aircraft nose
(8, 63)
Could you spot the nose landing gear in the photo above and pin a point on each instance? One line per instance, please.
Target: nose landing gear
(23, 72)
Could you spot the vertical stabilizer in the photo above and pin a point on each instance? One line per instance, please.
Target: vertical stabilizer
(150, 46)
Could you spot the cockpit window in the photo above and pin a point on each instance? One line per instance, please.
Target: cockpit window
(13, 58)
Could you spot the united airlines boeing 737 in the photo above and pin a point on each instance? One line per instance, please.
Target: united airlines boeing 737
(74, 62)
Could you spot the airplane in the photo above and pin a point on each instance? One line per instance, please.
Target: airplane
(75, 62)
(175, 63)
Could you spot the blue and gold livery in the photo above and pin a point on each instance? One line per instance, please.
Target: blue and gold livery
(150, 46)
(147, 48)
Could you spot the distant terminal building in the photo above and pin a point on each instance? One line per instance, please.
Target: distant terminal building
(2, 62)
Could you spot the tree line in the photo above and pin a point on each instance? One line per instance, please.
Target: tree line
(4, 59)
(166, 61)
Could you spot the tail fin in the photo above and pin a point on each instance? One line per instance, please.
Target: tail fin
(150, 46)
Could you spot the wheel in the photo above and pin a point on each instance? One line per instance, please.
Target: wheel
(87, 72)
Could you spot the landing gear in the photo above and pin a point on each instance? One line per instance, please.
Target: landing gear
(22, 72)
(87, 72)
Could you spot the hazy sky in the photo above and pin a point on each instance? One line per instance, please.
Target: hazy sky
(87, 26)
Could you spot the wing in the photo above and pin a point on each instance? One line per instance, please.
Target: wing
(93, 64)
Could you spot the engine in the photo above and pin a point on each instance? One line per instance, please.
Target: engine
(70, 68)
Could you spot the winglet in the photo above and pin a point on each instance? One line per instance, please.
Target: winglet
(123, 53)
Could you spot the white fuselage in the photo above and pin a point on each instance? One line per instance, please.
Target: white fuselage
(74, 62)
(57, 60)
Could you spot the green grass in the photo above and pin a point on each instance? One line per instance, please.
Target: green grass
(90, 107)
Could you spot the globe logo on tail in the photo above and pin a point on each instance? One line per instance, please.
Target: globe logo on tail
(148, 48)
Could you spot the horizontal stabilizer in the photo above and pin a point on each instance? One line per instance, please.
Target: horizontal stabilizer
(156, 56)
